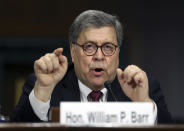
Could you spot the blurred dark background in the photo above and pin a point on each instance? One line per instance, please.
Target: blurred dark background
(153, 40)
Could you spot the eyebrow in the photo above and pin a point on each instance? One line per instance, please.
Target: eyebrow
(107, 42)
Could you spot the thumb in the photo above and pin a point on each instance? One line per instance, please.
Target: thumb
(62, 59)
(120, 74)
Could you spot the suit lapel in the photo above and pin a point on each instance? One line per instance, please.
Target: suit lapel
(71, 92)
(118, 92)
(67, 89)
(109, 97)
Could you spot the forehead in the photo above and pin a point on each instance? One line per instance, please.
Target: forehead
(102, 34)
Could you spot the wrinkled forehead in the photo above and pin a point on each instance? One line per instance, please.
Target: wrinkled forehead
(98, 34)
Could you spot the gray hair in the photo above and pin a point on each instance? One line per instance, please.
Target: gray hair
(94, 18)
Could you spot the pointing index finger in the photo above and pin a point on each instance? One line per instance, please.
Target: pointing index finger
(58, 51)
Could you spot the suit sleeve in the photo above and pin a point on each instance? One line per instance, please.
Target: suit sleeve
(23, 111)
(155, 92)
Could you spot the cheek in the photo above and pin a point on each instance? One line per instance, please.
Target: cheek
(113, 65)
(82, 62)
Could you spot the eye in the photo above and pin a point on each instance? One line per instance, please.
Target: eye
(89, 46)
(108, 47)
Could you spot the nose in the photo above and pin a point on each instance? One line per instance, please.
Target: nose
(98, 56)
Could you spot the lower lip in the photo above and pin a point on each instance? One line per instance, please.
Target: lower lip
(97, 73)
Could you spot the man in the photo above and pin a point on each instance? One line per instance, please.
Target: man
(95, 38)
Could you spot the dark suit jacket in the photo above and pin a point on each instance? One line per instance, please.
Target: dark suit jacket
(68, 90)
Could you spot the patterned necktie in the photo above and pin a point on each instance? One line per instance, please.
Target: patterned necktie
(95, 95)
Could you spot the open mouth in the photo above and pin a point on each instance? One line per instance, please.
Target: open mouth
(98, 71)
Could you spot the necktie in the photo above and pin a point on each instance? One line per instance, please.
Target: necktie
(95, 95)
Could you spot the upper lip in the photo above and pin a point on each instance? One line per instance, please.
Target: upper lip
(98, 69)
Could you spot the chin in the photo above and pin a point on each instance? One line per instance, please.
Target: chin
(98, 83)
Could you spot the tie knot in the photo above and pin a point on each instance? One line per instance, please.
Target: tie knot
(95, 95)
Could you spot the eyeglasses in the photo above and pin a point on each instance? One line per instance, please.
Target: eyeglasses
(90, 48)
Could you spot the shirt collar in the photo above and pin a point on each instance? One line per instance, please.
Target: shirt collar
(84, 92)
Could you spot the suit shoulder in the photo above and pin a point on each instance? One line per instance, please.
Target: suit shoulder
(29, 84)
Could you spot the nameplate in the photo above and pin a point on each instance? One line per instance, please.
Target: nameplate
(106, 114)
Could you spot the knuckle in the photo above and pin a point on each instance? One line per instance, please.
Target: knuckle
(46, 58)
(52, 55)
(47, 54)
(38, 62)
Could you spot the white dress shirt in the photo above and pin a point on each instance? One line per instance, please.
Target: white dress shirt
(41, 108)
(85, 91)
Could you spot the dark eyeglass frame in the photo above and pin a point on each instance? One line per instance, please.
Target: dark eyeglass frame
(82, 46)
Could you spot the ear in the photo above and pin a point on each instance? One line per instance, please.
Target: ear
(72, 51)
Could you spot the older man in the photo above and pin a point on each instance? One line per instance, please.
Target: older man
(95, 38)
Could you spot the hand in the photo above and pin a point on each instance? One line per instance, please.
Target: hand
(134, 83)
(49, 70)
